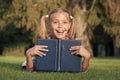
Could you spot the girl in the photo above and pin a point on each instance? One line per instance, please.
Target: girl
(61, 25)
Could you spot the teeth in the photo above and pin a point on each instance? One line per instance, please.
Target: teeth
(60, 31)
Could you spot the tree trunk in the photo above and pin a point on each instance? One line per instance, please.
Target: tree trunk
(101, 50)
(116, 50)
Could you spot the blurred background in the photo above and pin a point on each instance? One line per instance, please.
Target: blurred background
(101, 18)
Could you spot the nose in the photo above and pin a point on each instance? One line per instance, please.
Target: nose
(60, 25)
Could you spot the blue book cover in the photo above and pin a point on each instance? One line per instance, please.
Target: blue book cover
(49, 62)
(68, 61)
(58, 57)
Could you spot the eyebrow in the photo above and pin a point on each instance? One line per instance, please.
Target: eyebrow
(62, 20)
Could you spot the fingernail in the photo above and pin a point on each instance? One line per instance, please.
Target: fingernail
(72, 53)
(44, 54)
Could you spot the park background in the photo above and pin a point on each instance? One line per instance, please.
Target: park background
(101, 19)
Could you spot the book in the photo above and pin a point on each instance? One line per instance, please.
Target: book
(59, 57)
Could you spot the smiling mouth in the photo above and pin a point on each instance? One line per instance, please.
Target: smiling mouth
(60, 32)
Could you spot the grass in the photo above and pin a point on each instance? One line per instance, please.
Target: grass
(100, 69)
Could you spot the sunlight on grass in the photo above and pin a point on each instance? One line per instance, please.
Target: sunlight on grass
(100, 69)
(11, 59)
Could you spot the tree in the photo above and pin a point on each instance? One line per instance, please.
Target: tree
(101, 18)
(5, 6)
(112, 24)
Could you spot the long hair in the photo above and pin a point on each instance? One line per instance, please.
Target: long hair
(42, 29)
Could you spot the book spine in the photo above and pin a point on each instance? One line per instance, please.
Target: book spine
(56, 60)
(59, 51)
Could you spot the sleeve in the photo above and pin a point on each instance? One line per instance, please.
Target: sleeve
(25, 67)
(84, 68)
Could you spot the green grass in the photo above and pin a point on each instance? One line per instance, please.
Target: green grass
(100, 69)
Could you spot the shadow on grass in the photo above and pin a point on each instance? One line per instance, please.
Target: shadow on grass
(11, 66)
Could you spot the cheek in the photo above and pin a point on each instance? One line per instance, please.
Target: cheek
(52, 27)
(68, 27)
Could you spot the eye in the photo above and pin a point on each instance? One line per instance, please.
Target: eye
(65, 22)
(55, 22)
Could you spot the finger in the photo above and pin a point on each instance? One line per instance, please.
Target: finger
(74, 52)
(43, 50)
(41, 53)
(42, 46)
(74, 47)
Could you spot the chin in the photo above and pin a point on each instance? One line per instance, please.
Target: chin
(60, 37)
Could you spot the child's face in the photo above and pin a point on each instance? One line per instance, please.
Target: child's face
(60, 24)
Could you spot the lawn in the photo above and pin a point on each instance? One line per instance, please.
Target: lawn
(100, 69)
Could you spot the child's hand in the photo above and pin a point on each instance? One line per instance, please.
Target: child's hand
(80, 50)
(37, 50)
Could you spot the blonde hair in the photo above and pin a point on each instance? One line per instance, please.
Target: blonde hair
(42, 29)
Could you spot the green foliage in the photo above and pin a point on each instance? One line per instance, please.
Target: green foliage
(14, 39)
(111, 21)
(93, 19)
(114, 31)
(5, 7)
(106, 14)
(25, 14)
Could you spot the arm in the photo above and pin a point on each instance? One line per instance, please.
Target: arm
(36, 50)
(84, 50)
(86, 58)
(80, 50)
(85, 64)
(29, 60)
(87, 46)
